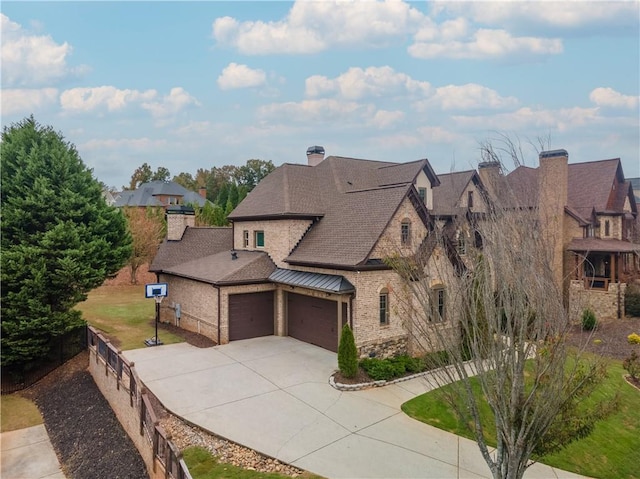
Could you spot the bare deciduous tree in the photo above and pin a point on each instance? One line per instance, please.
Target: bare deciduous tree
(500, 321)
(147, 228)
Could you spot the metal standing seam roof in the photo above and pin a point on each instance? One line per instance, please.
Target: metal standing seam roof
(330, 283)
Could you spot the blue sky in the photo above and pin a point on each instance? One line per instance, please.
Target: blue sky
(190, 85)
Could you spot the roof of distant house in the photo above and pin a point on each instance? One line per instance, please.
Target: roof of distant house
(350, 202)
(147, 194)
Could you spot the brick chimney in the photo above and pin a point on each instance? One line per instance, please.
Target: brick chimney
(179, 217)
(553, 186)
(315, 155)
(490, 173)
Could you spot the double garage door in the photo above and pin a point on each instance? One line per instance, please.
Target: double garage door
(312, 320)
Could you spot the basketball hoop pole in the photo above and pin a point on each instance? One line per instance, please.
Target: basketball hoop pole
(158, 301)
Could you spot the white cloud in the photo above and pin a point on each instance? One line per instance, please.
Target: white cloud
(314, 111)
(608, 97)
(527, 118)
(437, 134)
(311, 27)
(89, 99)
(359, 83)
(485, 44)
(32, 60)
(562, 14)
(384, 118)
(177, 100)
(136, 144)
(27, 101)
(471, 96)
(240, 76)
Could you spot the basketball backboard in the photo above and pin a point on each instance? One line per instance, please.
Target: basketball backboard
(155, 290)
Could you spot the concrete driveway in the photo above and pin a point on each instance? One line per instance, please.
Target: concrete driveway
(272, 394)
(28, 454)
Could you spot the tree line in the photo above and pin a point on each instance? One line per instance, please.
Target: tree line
(226, 186)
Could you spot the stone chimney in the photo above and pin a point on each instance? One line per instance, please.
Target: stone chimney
(203, 192)
(315, 155)
(179, 217)
(490, 173)
(553, 186)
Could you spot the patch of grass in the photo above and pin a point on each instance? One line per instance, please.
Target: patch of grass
(610, 452)
(124, 315)
(203, 465)
(18, 412)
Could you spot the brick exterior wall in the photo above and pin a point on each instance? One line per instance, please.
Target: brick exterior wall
(280, 236)
(198, 304)
(390, 240)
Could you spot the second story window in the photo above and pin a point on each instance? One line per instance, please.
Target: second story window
(259, 239)
(589, 231)
(423, 194)
(462, 243)
(405, 233)
(607, 228)
(245, 238)
(470, 199)
(438, 304)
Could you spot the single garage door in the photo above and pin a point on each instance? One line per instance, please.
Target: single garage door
(250, 315)
(313, 320)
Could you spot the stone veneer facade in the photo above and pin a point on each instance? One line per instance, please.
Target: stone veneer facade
(607, 305)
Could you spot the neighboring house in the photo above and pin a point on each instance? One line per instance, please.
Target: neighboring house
(305, 255)
(588, 212)
(160, 193)
(635, 185)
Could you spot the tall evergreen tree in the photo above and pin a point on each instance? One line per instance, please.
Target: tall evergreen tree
(59, 238)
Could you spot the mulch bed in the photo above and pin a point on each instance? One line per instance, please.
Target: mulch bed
(194, 339)
(608, 339)
(84, 430)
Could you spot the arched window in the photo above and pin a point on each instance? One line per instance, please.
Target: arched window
(383, 306)
(405, 232)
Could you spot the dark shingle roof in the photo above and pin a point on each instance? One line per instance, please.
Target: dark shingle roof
(220, 268)
(196, 243)
(602, 245)
(146, 193)
(446, 197)
(590, 185)
(350, 200)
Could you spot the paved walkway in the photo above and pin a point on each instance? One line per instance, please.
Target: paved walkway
(272, 394)
(28, 454)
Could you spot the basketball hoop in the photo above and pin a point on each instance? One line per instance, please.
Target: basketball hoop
(156, 291)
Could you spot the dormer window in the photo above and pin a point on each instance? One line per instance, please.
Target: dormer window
(607, 228)
(470, 199)
(589, 231)
(422, 192)
(405, 233)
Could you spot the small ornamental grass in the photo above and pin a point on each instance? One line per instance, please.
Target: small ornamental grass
(589, 321)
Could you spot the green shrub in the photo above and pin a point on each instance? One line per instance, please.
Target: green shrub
(382, 369)
(347, 353)
(632, 301)
(633, 338)
(632, 365)
(589, 321)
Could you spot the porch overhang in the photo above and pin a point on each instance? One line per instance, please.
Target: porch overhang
(598, 245)
(328, 283)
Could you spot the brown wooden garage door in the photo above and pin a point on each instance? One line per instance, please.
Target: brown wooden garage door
(250, 315)
(313, 320)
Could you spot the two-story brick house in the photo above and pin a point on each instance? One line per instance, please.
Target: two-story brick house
(305, 255)
(589, 214)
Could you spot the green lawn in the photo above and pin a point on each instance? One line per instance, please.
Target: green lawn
(124, 315)
(203, 465)
(611, 451)
(18, 412)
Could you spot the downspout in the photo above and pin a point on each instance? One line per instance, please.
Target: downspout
(218, 314)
